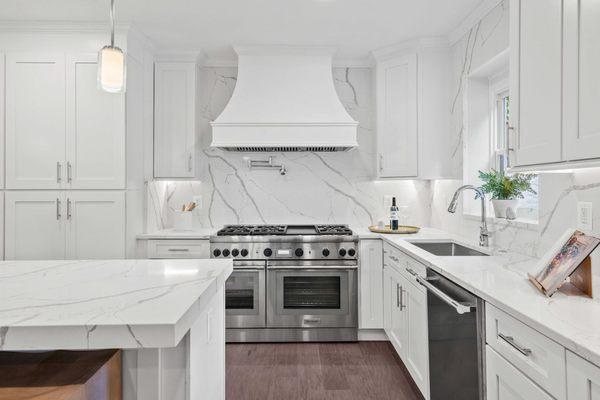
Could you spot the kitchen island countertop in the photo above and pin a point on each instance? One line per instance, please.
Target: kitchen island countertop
(99, 304)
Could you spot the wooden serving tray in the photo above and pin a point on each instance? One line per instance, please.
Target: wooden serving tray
(403, 229)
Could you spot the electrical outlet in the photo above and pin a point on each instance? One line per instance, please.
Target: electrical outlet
(584, 216)
(198, 201)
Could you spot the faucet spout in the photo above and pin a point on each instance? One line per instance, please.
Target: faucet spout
(479, 194)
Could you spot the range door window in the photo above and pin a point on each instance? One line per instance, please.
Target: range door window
(245, 298)
(311, 297)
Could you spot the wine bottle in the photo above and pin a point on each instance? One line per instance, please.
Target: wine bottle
(394, 215)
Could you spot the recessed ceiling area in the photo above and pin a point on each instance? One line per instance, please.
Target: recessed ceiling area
(355, 27)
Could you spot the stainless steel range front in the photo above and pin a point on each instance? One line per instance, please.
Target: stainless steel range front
(290, 282)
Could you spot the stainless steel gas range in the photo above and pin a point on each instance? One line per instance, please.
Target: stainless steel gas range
(290, 282)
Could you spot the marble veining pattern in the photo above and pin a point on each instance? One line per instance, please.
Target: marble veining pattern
(103, 303)
(319, 187)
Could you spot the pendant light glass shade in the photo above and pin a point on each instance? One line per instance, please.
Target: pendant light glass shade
(111, 62)
(111, 69)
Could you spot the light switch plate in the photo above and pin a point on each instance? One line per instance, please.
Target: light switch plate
(198, 201)
(585, 216)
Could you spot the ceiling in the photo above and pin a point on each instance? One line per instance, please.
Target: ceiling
(354, 26)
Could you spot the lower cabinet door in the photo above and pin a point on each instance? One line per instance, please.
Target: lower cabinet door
(505, 382)
(95, 224)
(583, 379)
(370, 296)
(34, 226)
(396, 319)
(417, 357)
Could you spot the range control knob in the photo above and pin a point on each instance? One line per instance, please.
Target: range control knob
(268, 252)
(299, 252)
(216, 252)
(325, 252)
(225, 253)
(244, 252)
(235, 252)
(351, 252)
(342, 252)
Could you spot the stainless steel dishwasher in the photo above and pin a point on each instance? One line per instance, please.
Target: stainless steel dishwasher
(456, 340)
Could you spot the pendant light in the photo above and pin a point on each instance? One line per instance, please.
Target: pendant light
(111, 62)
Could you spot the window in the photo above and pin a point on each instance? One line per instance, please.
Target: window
(500, 121)
(486, 135)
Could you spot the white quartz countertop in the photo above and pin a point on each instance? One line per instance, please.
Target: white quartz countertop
(100, 304)
(201, 233)
(501, 280)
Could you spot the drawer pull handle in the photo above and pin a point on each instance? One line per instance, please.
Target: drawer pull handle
(182, 250)
(511, 341)
(312, 320)
(411, 271)
(394, 258)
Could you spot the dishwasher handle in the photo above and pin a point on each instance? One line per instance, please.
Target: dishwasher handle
(458, 306)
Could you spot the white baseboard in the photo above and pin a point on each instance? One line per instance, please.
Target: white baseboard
(372, 335)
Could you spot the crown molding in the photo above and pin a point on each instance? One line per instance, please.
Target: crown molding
(410, 46)
(198, 57)
(472, 19)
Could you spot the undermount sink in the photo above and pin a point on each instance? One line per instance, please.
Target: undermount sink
(446, 249)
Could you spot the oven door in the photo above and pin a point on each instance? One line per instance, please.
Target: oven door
(245, 296)
(316, 296)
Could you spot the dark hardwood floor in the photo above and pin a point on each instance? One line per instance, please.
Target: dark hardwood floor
(299, 371)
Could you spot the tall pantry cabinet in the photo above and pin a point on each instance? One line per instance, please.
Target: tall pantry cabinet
(71, 154)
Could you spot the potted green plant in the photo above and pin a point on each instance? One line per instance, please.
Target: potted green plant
(505, 190)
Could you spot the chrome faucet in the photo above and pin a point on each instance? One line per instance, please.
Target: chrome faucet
(479, 194)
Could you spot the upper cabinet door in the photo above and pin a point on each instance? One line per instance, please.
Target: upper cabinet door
(95, 224)
(35, 121)
(536, 80)
(397, 117)
(95, 143)
(34, 226)
(582, 79)
(174, 119)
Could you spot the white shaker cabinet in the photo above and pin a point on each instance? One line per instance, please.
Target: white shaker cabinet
(397, 117)
(536, 76)
(95, 129)
(395, 319)
(35, 121)
(57, 225)
(174, 119)
(417, 355)
(62, 132)
(583, 379)
(371, 284)
(2, 118)
(34, 225)
(505, 382)
(581, 79)
(95, 224)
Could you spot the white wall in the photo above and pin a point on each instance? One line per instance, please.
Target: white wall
(319, 187)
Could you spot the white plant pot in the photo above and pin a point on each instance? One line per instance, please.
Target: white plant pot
(501, 207)
(182, 220)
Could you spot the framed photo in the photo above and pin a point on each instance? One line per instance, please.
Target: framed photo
(563, 259)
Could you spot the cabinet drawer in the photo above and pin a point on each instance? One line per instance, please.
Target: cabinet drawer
(538, 357)
(403, 263)
(505, 382)
(178, 249)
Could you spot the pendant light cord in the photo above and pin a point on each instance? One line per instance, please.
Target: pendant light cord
(112, 23)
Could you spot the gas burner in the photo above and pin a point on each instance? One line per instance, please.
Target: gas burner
(252, 230)
(333, 230)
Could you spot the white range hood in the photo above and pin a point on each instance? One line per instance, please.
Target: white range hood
(284, 100)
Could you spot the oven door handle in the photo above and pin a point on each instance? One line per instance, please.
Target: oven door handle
(248, 269)
(313, 267)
